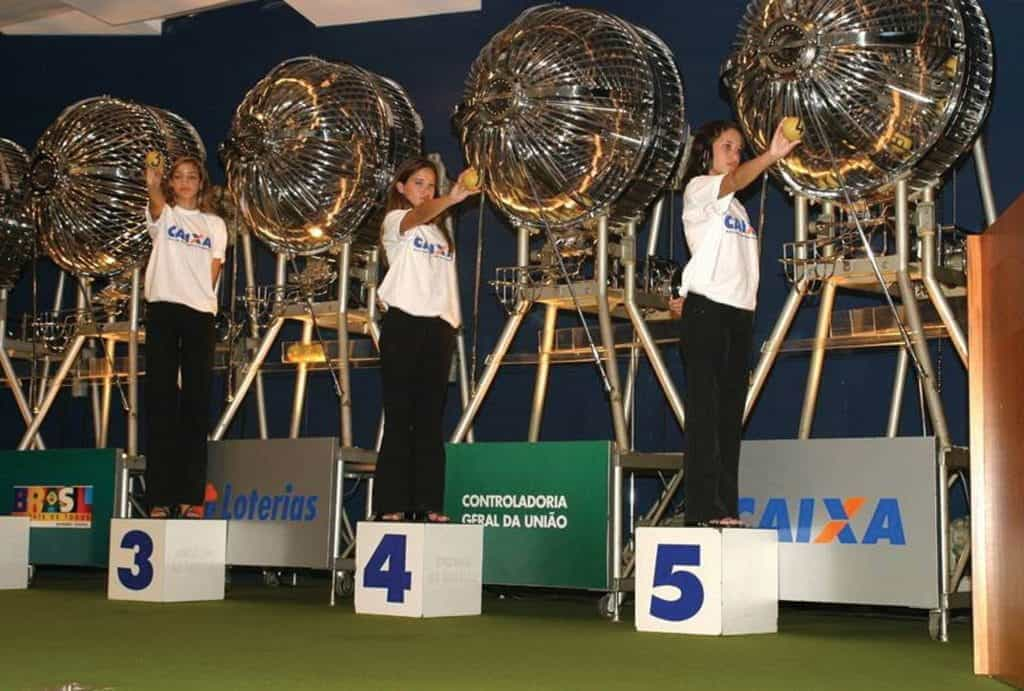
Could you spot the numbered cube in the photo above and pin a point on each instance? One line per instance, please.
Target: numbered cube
(167, 561)
(419, 569)
(707, 581)
(14, 532)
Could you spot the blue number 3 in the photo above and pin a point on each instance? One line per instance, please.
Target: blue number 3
(396, 579)
(139, 577)
(691, 597)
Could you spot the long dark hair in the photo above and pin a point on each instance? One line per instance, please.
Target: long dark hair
(396, 200)
(701, 152)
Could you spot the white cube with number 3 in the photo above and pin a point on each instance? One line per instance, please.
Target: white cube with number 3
(167, 561)
(707, 581)
(14, 531)
(419, 569)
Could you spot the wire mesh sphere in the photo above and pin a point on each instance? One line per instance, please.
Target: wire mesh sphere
(973, 103)
(89, 193)
(16, 228)
(876, 84)
(312, 150)
(572, 114)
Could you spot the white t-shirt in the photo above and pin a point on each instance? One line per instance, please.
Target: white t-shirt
(421, 278)
(185, 243)
(724, 257)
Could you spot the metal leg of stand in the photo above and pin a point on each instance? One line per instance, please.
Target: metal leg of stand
(250, 374)
(19, 395)
(51, 393)
(615, 401)
(607, 336)
(11, 375)
(543, 368)
(913, 315)
(344, 380)
(58, 305)
(643, 333)
(339, 509)
(898, 382)
(926, 230)
(772, 346)
(828, 296)
(132, 445)
(988, 200)
(110, 350)
(520, 311)
(931, 394)
(491, 371)
(254, 331)
(301, 375)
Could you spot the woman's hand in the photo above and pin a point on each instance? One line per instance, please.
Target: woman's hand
(781, 146)
(675, 307)
(461, 190)
(154, 176)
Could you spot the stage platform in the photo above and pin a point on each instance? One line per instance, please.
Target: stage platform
(63, 631)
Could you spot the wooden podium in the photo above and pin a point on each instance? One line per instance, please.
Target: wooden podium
(996, 365)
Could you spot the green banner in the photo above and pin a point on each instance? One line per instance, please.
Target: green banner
(544, 508)
(68, 494)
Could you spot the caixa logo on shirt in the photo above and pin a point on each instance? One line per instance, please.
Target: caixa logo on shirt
(196, 239)
(737, 225)
(434, 249)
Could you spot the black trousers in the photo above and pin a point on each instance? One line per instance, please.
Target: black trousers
(415, 354)
(177, 420)
(715, 342)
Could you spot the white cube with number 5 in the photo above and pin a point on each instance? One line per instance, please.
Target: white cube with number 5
(167, 561)
(419, 569)
(707, 581)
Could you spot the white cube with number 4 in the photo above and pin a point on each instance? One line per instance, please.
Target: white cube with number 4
(419, 569)
(707, 581)
(14, 531)
(167, 561)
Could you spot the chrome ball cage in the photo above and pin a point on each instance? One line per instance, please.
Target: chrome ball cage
(885, 89)
(571, 114)
(312, 150)
(17, 232)
(88, 190)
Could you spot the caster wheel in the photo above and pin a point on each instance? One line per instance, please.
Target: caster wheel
(344, 583)
(606, 605)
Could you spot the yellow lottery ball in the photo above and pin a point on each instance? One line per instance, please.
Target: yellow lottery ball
(792, 128)
(471, 179)
(154, 159)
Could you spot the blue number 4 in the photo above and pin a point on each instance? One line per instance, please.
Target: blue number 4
(139, 577)
(396, 579)
(691, 592)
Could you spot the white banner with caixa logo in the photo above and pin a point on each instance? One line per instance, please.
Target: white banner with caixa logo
(856, 518)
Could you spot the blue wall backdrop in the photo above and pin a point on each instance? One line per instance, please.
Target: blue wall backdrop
(202, 66)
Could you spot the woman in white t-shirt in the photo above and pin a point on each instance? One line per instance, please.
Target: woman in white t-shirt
(420, 296)
(181, 281)
(719, 286)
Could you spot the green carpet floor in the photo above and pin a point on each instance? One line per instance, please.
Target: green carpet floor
(63, 631)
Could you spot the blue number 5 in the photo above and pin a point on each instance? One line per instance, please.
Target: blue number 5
(691, 597)
(142, 543)
(396, 579)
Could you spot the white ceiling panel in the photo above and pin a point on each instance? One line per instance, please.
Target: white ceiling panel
(75, 23)
(333, 12)
(129, 11)
(19, 11)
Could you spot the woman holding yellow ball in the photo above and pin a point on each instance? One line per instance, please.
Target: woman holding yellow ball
(718, 296)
